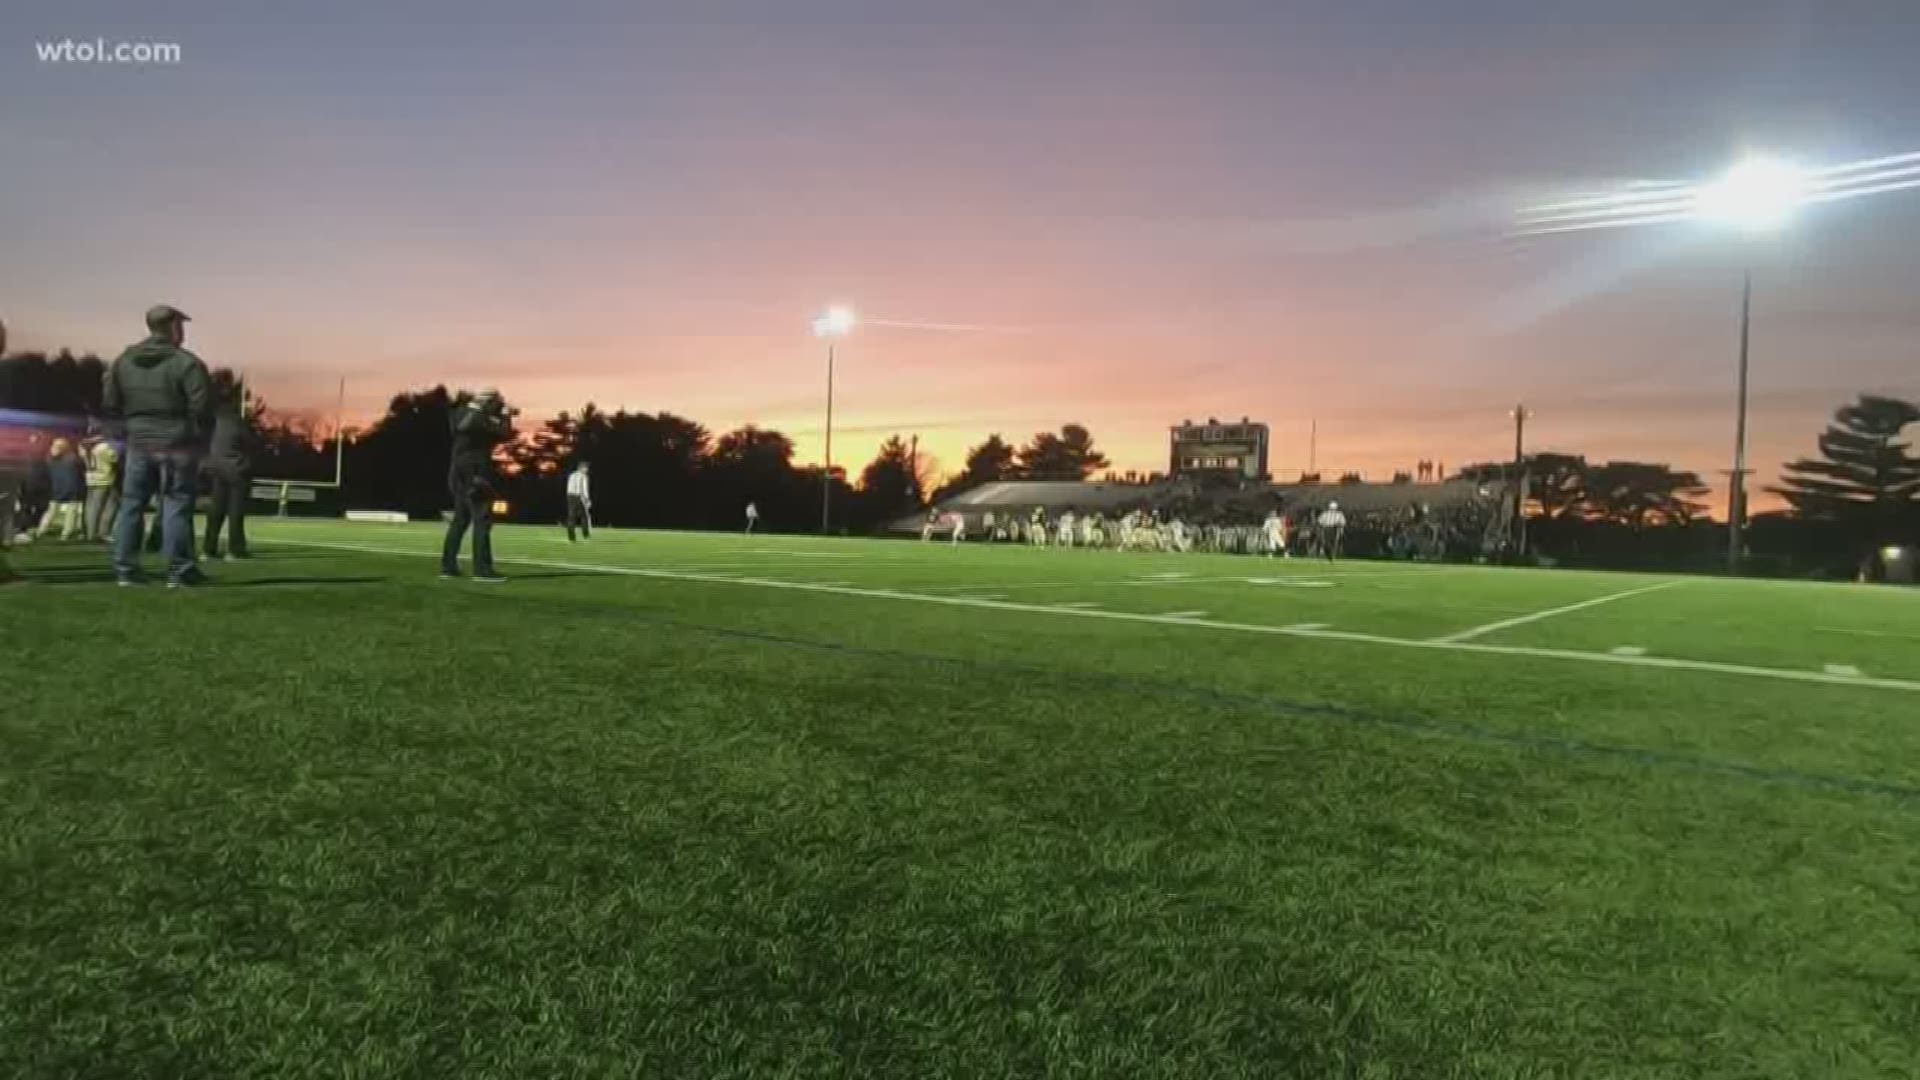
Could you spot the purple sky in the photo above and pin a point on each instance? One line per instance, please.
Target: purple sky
(1149, 212)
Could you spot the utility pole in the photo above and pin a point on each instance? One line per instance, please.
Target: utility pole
(1520, 416)
(1313, 447)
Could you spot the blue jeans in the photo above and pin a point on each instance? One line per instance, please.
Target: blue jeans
(170, 474)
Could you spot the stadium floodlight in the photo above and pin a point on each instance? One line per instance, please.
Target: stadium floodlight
(1758, 194)
(833, 324)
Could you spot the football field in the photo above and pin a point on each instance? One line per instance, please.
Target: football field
(726, 806)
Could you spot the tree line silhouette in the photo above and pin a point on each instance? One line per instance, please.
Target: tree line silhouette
(651, 470)
(1858, 491)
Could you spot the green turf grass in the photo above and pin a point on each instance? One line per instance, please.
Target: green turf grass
(332, 817)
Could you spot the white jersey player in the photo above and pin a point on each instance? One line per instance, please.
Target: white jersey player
(1063, 533)
(1276, 530)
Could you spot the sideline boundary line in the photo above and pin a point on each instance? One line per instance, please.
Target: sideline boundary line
(1536, 616)
(1436, 645)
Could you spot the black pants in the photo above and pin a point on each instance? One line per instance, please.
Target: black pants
(578, 518)
(471, 486)
(227, 505)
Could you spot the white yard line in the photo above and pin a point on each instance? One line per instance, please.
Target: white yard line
(1847, 670)
(1079, 604)
(1522, 620)
(1185, 615)
(1668, 663)
(1628, 650)
(1305, 627)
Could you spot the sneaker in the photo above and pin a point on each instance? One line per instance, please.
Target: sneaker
(489, 578)
(190, 578)
(128, 581)
(449, 573)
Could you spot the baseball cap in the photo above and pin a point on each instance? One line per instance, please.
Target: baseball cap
(162, 314)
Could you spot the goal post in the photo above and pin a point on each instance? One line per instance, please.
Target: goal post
(285, 492)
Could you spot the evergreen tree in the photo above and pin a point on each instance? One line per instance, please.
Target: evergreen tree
(1069, 455)
(1865, 480)
(889, 486)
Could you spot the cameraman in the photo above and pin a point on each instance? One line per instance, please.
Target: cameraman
(480, 422)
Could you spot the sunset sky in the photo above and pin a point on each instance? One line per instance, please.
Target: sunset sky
(1121, 213)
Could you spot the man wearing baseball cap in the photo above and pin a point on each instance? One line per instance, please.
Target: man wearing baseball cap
(164, 393)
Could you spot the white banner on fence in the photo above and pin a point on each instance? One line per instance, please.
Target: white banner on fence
(275, 492)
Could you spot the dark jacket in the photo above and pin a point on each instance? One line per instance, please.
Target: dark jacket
(36, 485)
(163, 392)
(68, 478)
(228, 451)
(476, 431)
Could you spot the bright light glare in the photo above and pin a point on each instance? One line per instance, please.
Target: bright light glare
(835, 323)
(1758, 194)
(1893, 553)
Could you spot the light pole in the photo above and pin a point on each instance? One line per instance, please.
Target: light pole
(1756, 196)
(832, 325)
(1737, 484)
(1520, 471)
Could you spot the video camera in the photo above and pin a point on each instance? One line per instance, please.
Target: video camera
(488, 403)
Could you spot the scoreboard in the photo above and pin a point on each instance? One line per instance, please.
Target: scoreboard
(1218, 449)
